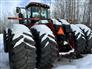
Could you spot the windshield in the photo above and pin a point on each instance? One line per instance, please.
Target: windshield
(44, 13)
(36, 12)
(39, 12)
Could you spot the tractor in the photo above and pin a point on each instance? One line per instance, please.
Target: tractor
(37, 40)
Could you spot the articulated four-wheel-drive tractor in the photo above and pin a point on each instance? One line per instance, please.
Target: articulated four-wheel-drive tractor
(37, 41)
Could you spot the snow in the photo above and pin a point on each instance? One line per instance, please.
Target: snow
(19, 42)
(46, 44)
(90, 36)
(82, 26)
(42, 29)
(83, 63)
(19, 29)
(43, 38)
(30, 45)
(64, 53)
(62, 21)
(42, 21)
(4, 62)
(22, 40)
(56, 22)
(51, 39)
(65, 42)
(76, 30)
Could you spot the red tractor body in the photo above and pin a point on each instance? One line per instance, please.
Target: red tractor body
(37, 14)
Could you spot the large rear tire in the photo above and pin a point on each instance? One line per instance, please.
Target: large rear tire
(46, 48)
(22, 52)
(22, 55)
(80, 41)
(88, 37)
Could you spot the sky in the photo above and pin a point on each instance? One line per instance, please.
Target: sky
(8, 6)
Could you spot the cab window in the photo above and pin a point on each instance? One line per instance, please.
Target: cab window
(35, 12)
(44, 13)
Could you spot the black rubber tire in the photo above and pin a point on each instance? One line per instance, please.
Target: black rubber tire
(80, 44)
(22, 55)
(46, 55)
(90, 43)
(5, 40)
(88, 38)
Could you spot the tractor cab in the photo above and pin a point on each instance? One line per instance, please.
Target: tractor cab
(33, 13)
(38, 10)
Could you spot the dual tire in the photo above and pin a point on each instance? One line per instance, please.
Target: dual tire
(21, 51)
(88, 37)
(30, 50)
(83, 38)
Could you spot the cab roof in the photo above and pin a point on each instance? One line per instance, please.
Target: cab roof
(37, 5)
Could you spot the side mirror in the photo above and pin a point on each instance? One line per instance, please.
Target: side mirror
(18, 9)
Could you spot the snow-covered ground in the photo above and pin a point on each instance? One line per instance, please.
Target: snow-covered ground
(4, 63)
(84, 63)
